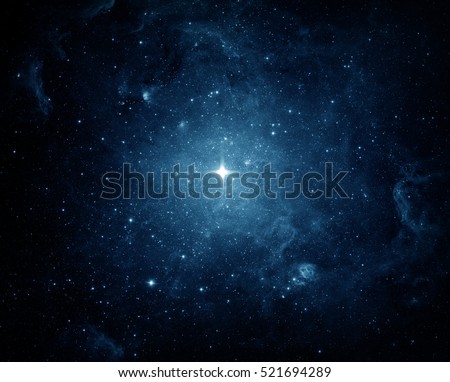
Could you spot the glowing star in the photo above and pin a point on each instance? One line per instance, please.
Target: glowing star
(151, 283)
(222, 171)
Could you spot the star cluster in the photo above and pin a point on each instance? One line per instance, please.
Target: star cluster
(229, 86)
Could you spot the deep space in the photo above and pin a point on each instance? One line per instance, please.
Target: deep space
(90, 85)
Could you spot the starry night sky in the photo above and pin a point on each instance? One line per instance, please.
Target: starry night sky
(90, 86)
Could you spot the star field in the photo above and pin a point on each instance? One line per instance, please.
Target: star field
(229, 86)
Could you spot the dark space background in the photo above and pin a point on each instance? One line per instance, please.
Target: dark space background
(88, 85)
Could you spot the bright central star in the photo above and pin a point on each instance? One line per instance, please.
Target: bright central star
(222, 171)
